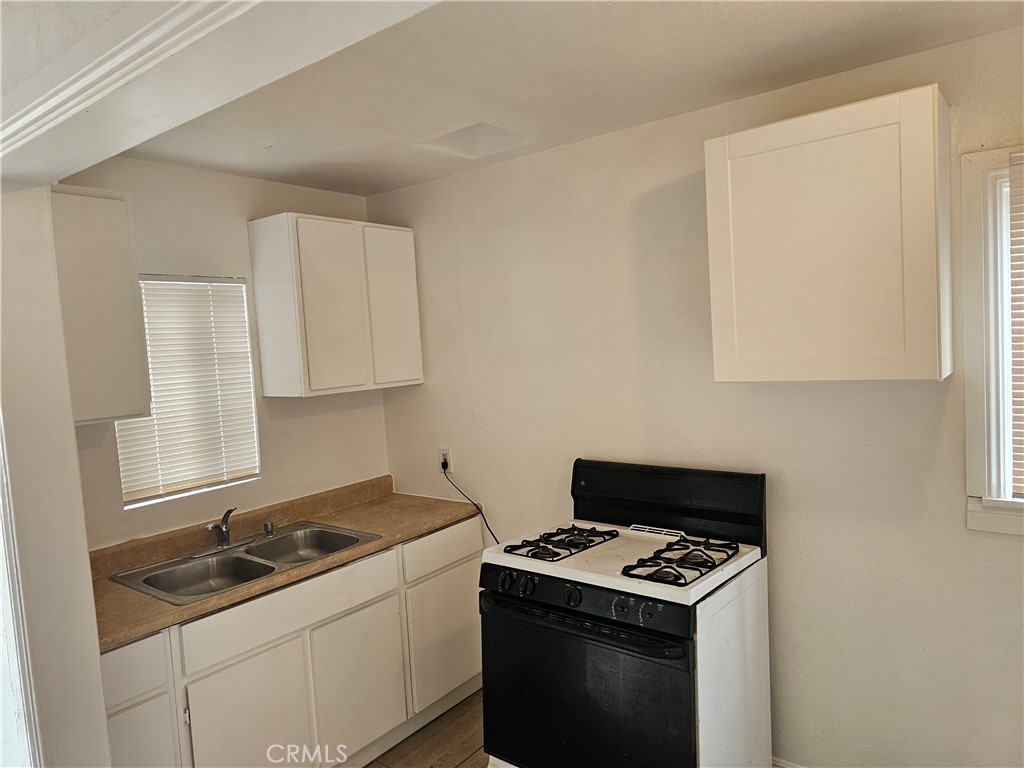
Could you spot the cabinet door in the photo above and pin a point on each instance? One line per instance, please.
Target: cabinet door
(826, 246)
(394, 305)
(241, 712)
(333, 303)
(101, 308)
(143, 735)
(444, 633)
(358, 676)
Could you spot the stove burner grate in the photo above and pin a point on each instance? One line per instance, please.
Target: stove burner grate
(681, 562)
(561, 542)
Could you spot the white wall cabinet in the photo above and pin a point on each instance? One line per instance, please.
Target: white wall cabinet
(828, 241)
(337, 308)
(101, 305)
(442, 611)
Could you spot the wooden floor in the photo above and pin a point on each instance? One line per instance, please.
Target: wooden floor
(454, 740)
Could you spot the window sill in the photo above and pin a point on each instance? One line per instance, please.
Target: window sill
(995, 516)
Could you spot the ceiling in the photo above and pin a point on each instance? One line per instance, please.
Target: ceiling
(466, 84)
(32, 34)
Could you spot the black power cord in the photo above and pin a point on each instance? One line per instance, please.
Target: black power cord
(444, 469)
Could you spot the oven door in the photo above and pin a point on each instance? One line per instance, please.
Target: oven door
(563, 691)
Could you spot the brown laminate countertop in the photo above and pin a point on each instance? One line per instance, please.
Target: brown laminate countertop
(124, 615)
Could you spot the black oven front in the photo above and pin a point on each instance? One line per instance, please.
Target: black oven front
(565, 688)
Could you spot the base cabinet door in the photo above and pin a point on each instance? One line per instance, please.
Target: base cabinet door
(249, 714)
(142, 736)
(358, 676)
(444, 633)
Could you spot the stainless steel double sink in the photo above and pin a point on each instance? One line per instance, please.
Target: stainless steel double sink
(196, 577)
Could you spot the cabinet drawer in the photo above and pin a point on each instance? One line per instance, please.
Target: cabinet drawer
(426, 555)
(234, 631)
(133, 669)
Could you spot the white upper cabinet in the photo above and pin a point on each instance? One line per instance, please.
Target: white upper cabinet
(336, 305)
(828, 240)
(101, 305)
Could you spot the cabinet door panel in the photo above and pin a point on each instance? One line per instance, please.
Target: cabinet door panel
(333, 303)
(101, 308)
(358, 676)
(828, 244)
(143, 735)
(394, 305)
(240, 712)
(444, 633)
(833, 279)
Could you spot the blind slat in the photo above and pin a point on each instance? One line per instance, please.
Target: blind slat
(202, 431)
(1016, 379)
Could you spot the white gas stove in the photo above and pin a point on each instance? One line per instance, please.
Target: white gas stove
(635, 634)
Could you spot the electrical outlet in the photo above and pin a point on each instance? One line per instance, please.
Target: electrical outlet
(443, 454)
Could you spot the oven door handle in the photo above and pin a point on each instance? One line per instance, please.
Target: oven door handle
(633, 642)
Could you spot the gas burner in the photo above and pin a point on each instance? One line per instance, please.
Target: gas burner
(544, 552)
(681, 562)
(561, 542)
(657, 570)
(691, 558)
(727, 548)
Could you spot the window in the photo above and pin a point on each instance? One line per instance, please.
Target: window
(201, 433)
(993, 229)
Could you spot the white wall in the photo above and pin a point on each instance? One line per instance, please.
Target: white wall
(59, 618)
(566, 313)
(193, 222)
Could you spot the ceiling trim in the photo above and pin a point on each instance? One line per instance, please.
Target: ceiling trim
(174, 30)
(156, 65)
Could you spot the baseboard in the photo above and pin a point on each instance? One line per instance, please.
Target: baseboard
(778, 762)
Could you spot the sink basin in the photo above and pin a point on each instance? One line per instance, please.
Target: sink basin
(210, 572)
(201, 578)
(302, 545)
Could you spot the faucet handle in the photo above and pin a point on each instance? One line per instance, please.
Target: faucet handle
(268, 527)
(224, 519)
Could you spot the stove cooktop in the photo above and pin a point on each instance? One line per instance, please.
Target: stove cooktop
(640, 560)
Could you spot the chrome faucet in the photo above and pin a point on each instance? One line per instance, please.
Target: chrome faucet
(221, 530)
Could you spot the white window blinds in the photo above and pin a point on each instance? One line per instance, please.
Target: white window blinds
(202, 429)
(1017, 319)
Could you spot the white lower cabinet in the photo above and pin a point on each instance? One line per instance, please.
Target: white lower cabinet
(250, 712)
(314, 674)
(442, 572)
(444, 633)
(141, 721)
(359, 677)
(142, 736)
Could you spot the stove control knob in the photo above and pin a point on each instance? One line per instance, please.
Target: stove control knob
(505, 581)
(573, 597)
(526, 586)
(621, 606)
